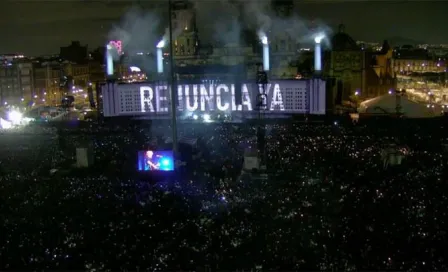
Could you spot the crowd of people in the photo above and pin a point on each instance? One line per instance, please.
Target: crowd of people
(327, 203)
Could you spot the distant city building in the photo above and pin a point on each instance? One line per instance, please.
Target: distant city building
(96, 71)
(98, 54)
(438, 51)
(26, 79)
(11, 57)
(75, 52)
(284, 46)
(408, 59)
(16, 81)
(184, 22)
(221, 61)
(369, 46)
(406, 66)
(410, 52)
(357, 74)
(47, 79)
(79, 73)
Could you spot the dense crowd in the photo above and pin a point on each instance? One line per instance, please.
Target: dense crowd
(328, 202)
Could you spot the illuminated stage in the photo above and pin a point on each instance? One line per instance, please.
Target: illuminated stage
(152, 100)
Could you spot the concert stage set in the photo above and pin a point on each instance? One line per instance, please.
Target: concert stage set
(211, 100)
(152, 100)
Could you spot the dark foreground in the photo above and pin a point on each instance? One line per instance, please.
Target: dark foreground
(328, 203)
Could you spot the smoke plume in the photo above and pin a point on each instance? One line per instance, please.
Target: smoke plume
(230, 17)
(176, 32)
(139, 31)
(220, 20)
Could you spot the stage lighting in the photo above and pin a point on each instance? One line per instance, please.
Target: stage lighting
(15, 117)
(207, 117)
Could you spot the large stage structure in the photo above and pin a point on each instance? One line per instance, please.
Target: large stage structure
(153, 100)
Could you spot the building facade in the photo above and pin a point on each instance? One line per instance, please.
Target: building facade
(47, 79)
(183, 18)
(26, 79)
(96, 71)
(16, 82)
(79, 73)
(409, 66)
(10, 89)
(152, 100)
(188, 51)
(283, 45)
(408, 60)
(358, 75)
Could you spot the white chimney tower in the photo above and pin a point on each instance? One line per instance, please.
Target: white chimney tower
(264, 41)
(160, 47)
(318, 53)
(109, 60)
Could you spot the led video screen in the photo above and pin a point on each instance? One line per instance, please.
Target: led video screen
(151, 160)
(152, 99)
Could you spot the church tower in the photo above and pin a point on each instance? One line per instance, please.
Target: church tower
(183, 18)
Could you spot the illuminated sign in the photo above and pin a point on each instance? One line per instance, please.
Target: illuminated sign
(118, 45)
(285, 96)
(209, 97)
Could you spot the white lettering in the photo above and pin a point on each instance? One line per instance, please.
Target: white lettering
(246, 97)
(180, 98)
(161, 99)
(210, 97)
(263, 91)
(235, 107)
(206, 97)
(277, 99)
(220, 106)
(146, 96)
(188, 106)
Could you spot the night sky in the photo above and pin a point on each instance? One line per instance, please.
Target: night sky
(40, 27)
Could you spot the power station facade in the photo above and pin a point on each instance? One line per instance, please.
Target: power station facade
(152, 100)
(210, 92)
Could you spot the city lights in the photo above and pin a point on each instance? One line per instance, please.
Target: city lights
(15, 117)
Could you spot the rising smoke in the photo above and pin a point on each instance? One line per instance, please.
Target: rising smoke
(220, 20)
(139, 31)
(229, 17)
(223, 22)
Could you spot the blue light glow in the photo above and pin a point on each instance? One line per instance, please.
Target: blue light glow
(155, 160)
